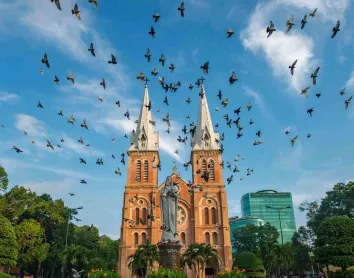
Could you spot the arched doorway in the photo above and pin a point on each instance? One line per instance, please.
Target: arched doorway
(211, 268)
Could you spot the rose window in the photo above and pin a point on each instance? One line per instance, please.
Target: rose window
(181, 216)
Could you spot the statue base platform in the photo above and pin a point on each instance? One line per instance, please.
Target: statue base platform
(170, 254)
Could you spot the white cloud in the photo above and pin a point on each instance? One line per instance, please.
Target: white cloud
(50, 187)
(350, 83)
(9, 98)
(31, 125)
(281, 49)
(75, 146)
(255, 96)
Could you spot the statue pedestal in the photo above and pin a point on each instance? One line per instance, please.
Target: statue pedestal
(169, 254)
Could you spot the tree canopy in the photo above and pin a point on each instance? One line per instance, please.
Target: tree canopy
(8, 243)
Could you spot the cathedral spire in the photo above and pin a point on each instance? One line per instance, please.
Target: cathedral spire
(204, 137)
(144, 138)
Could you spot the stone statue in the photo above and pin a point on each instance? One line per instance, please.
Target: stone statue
(169, 203)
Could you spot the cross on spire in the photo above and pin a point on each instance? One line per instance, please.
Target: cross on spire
(202, 79)
(146, 80)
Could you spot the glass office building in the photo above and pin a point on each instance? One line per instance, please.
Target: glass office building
(265, 203)
(237, 223)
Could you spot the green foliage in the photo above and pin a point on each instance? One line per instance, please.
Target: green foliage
(5, 275)
(4, 181)
(103, 274)
(8, 243)
(235, 273)
(335, 241)
(252, 265)
(342, 274)
(167, 273)
(144, 257)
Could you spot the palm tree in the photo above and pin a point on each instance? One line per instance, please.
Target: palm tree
(283, 255)
(197, 255)
(144, 257)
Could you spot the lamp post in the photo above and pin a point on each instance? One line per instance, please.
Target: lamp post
(278, 210)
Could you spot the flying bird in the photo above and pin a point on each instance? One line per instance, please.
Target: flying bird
(56, 79)
(156, 16)
(304, 91)
(82, 161)
(292, 67)
(171, 67)
(310, 111)
(49, 145)
(167, 119)
(166, 101)
(141, 76)
(249, 106)
(318, 95)
(205, 68)
(162, 60)
(95, 3)
(103, 84)
(57, 3)
(152, 32)
(335, 29)
(314, 75)
(118, 172)
(313, 14)
(76, 11)
(41, 71)
(60, 113)
(113, 60)
(181, 9)
(293, 140)
(219, 95)
(154, 73)
(148, 55)
(84, 125)
(229, 33)
(71, 77)
(303, 21)
(39, 105)
(225, 102)
(347, 102)
(232, 78)
(290, 23)
(45, 60)
(92, 50)
(17, 149)
(270, 29)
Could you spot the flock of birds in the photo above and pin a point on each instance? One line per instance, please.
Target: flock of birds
(173, 87)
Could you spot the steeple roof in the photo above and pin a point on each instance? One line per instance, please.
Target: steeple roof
(144, 138)
(204, 137)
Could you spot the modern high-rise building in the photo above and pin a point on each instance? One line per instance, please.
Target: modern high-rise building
(273, 207)
(237, 223)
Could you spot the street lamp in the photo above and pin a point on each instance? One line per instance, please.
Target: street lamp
(278, 210)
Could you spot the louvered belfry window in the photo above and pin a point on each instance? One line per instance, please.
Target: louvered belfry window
(206, 216)
(144, 216)
(138, 170)
(137, 216)
(204, 166)
(146, 170)
(213, 216)
(211, 170)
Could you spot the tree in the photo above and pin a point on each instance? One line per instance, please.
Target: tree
(250, 263)
(282, 255)
(144, 257)
(8, 243)
(30, 238)
(4, 181)
(302, 245)
(335, 241)
(193, 257)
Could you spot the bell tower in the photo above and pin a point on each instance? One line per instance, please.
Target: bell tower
(211, 223)
(141, 187)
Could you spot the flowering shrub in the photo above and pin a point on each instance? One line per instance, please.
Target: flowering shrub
(167, 273)
(100, 273)
(235, 273)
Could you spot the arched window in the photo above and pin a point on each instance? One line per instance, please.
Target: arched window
(137, 216)
(214, 217)
(204, 166)
(211, 170)
(206, 216)
(146, 170)
(136, 239)
(183, 238)
(207, 238)
(138, 170)
(215, 238)
(143, 238)
(144, 216)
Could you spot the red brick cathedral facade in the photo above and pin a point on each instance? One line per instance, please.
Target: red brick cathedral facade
(202, 215)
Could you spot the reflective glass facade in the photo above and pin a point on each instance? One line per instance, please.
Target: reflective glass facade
(253, 204)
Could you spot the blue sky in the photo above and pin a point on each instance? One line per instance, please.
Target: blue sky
(311, 167)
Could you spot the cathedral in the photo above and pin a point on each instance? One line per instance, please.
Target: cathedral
(202, 207)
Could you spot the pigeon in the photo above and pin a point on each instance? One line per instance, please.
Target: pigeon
(166, 101)
(156, 16)
(219, 95)
(335, 29)
(230, 179)
(100, 98)
(127, 114)
(154, 73)
(56, 79)
(103, 84)
(95, 3)
(171, 67)
(83, 181)
(310, 111)
(308, 135)
(49, 145)
(57, 3)
(251, 122)
(290, 23)
(92, 50)
(41, 71)
(60, 113)
(113, 60)
(225, 102)
(249, 106)
(188, 100)
(80, 140)
(76, 11)
(237, 111)
(17, 149)
(232, 78)
(270, 29)
(181, 9)
(303, 21)
(162, 60)
(71, 119)
(304, 91)
(347, 102)
(314, 75)
(71, 194)
(148, 55)
(39, 105)
(205, 68)
(229, 33)
(167, 119)
(287, 131)
(318, 95)
(71, 77)
(313, 14)
(292, 67)
(293, 140)
(82, 161)
(148, 106)
(141, 76)
(152, 32)
(45, 60)
(190, 87)
(84, 125)
(342, 92)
